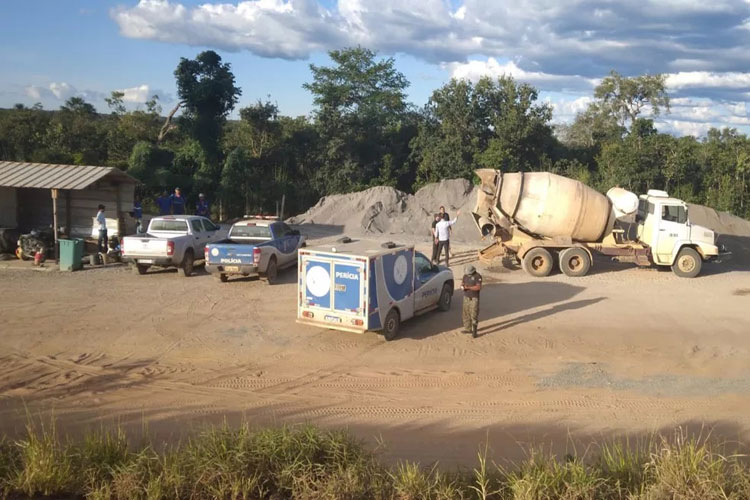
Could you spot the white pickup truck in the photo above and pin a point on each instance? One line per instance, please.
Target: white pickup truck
(171, 241)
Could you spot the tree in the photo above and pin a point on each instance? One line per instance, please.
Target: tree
(625, 98)
(362, 120)
(115, 102)
(207, 92)
(496, 123)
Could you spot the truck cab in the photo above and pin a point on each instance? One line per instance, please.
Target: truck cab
(664, 225)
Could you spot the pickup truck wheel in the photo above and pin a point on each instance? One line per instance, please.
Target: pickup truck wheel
(187, 263)
(222, 277)
(446, 297)
(537, 262)
(575, 262)
(391, 326)
(140, 268)
(272, 271)
(687, 264)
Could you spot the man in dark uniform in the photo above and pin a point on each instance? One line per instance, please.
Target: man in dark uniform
(471, 285)
(202, 208)
(164, 202)
(178, 202)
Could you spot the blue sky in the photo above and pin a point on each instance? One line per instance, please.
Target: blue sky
(53, 49)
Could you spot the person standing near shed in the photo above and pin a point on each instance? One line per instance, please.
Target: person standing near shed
(102, 223)
(164, 202)
(178, 202)
(443, 230)
(202, 208)
(138, 214)
(471, 285)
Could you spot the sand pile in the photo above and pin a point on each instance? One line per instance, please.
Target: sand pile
(732, 231)
(385, 210)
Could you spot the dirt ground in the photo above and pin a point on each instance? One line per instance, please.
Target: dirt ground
(560, 362)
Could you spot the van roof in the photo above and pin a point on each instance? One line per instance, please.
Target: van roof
(357, 248)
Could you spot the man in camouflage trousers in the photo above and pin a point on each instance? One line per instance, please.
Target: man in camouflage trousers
(471, 285)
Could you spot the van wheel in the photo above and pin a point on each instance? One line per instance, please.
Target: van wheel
(392, 324)
(575, 262)
(140, 268)
(446, 297)
(272, 271)
(537, 262)
(688, 263)
(187, 263)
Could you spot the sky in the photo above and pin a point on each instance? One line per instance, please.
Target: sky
(51, 50)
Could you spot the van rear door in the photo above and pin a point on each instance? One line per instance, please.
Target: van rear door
(332, 291)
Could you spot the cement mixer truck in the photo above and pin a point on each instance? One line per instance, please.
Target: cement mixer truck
(541, 219)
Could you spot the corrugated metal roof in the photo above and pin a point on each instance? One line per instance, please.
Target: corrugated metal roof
(49, 176)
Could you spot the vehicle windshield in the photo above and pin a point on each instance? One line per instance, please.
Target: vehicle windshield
(245, 231)
(168, 225)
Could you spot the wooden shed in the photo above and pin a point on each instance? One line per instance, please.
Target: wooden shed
(44, 196)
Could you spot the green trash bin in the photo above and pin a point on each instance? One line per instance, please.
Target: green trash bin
(71, 254)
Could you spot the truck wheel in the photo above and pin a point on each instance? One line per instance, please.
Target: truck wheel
(446, 297)
(187, 263)
(575, 262)
(222, 277)
(140, 268)
(687, 264)
(272, 271)
(537, 262)
(392, 323)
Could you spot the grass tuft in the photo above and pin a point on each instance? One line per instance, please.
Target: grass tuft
(306, 462)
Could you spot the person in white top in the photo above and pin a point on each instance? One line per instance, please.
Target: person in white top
(102, 221)
(443, 231)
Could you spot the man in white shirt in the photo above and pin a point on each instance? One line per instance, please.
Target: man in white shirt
(102, 222)
(443, 231)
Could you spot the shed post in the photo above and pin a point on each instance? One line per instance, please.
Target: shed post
(54, 218)
(120, 223)
(68, 216)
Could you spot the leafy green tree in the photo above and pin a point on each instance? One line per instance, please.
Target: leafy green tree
(362, 121)
(77, 134)
(495, 123)
(522, 136)
(207, 92)
(22, 134)
(626, 98)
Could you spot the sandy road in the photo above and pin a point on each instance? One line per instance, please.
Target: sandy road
(560, 361)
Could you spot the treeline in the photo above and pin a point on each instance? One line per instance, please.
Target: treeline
(362, 132)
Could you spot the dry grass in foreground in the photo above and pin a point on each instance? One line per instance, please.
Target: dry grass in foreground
(310, 463)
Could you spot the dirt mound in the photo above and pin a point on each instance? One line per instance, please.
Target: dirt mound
(385, 210)
(732, 232)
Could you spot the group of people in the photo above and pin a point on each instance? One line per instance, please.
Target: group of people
(174, 204)
(471, 284)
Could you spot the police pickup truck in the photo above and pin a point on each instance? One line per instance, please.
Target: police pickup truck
(358, 286)
(259, 246)
(170, 241)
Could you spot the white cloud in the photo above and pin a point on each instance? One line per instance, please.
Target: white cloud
(474, 70)
(62, 90)
(139, 94)
(707, 79)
